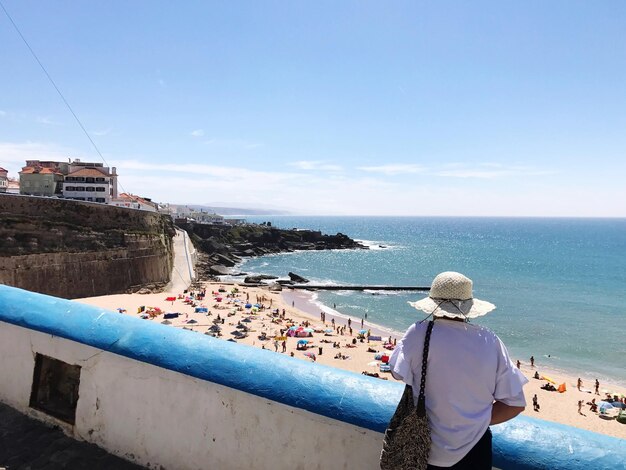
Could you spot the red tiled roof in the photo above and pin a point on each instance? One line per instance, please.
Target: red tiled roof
(89, 172)
(133, 198)
(43, 171)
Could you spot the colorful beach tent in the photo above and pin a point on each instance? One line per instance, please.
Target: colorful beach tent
(562, 388)
(170, 299)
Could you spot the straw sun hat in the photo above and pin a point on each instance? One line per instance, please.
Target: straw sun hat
(451, 296)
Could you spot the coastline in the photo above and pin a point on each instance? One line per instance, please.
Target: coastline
(556, 407)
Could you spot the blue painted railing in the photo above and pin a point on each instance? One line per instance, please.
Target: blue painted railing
(523, 443)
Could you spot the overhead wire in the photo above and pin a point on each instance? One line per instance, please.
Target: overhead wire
(69, 107)
(67, 104)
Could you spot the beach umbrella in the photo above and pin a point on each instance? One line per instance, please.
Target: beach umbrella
(329, 330)
(247, 320)
(166, 322)
(549, 379)
(170, 299)
(192, 321)
(617, 404)
(303, 341)
(362, 332)
(248, 305)
(309, 330)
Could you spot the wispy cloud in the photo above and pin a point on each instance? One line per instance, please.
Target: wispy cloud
(102, 132)
(231, 143)
(314, 165)
(490, 171)
(197, 133)
(47, 121)
(161, 83)
(394, 169)
(3, 113)
(13, 155)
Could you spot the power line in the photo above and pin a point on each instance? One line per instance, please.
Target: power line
(58, 91)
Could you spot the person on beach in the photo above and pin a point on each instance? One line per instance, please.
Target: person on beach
(536, 403)
(580, 407)
(518, 364)
(597, 387)
(471, 382)
(532, 361)
(579, 383)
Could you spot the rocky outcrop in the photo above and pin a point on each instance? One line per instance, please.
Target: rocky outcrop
(258, 278)
(72, 249)
(225, 245)
(297, 279)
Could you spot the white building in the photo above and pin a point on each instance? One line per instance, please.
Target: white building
(206, 218)
(134, 202)
(90, 182)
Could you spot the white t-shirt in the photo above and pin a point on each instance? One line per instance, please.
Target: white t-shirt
(468, 368)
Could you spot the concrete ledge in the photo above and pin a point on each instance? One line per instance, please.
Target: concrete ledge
(524, 443)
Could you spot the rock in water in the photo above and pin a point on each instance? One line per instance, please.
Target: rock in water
(258, 279)
(297, 279)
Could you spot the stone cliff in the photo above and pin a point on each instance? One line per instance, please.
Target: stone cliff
(73, 249)
(224, 246)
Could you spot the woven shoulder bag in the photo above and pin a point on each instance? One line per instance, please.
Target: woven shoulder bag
(407, 439)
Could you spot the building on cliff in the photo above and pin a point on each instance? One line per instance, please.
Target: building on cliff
(13, 186)
(4, 180)
(87, 181)
(135, 202)
(201, 217)
(83, 181)
(41, 179)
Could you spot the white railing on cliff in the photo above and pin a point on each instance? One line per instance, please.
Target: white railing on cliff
(167, 397)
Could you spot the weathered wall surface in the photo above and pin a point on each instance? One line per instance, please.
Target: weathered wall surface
(72, 249)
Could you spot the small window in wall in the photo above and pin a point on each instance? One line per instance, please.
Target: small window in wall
(55, 388)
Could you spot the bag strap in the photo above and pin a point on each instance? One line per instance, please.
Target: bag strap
(421, 399)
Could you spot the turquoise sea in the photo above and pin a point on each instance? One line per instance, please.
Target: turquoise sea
(559, 284)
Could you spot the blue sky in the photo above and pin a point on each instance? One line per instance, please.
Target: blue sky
(369, 107)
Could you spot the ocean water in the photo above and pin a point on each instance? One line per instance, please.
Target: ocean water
(559, 284)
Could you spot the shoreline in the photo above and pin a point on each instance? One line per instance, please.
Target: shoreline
(556, 407)
(308, 304)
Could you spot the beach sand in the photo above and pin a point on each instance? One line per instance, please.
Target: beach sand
(557, 407)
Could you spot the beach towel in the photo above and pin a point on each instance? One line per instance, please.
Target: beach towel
(171, 315)
(375, 338)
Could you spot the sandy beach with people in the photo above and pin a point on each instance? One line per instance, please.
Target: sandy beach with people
(270, 320)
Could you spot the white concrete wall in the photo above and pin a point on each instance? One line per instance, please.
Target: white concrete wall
(157, 417)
